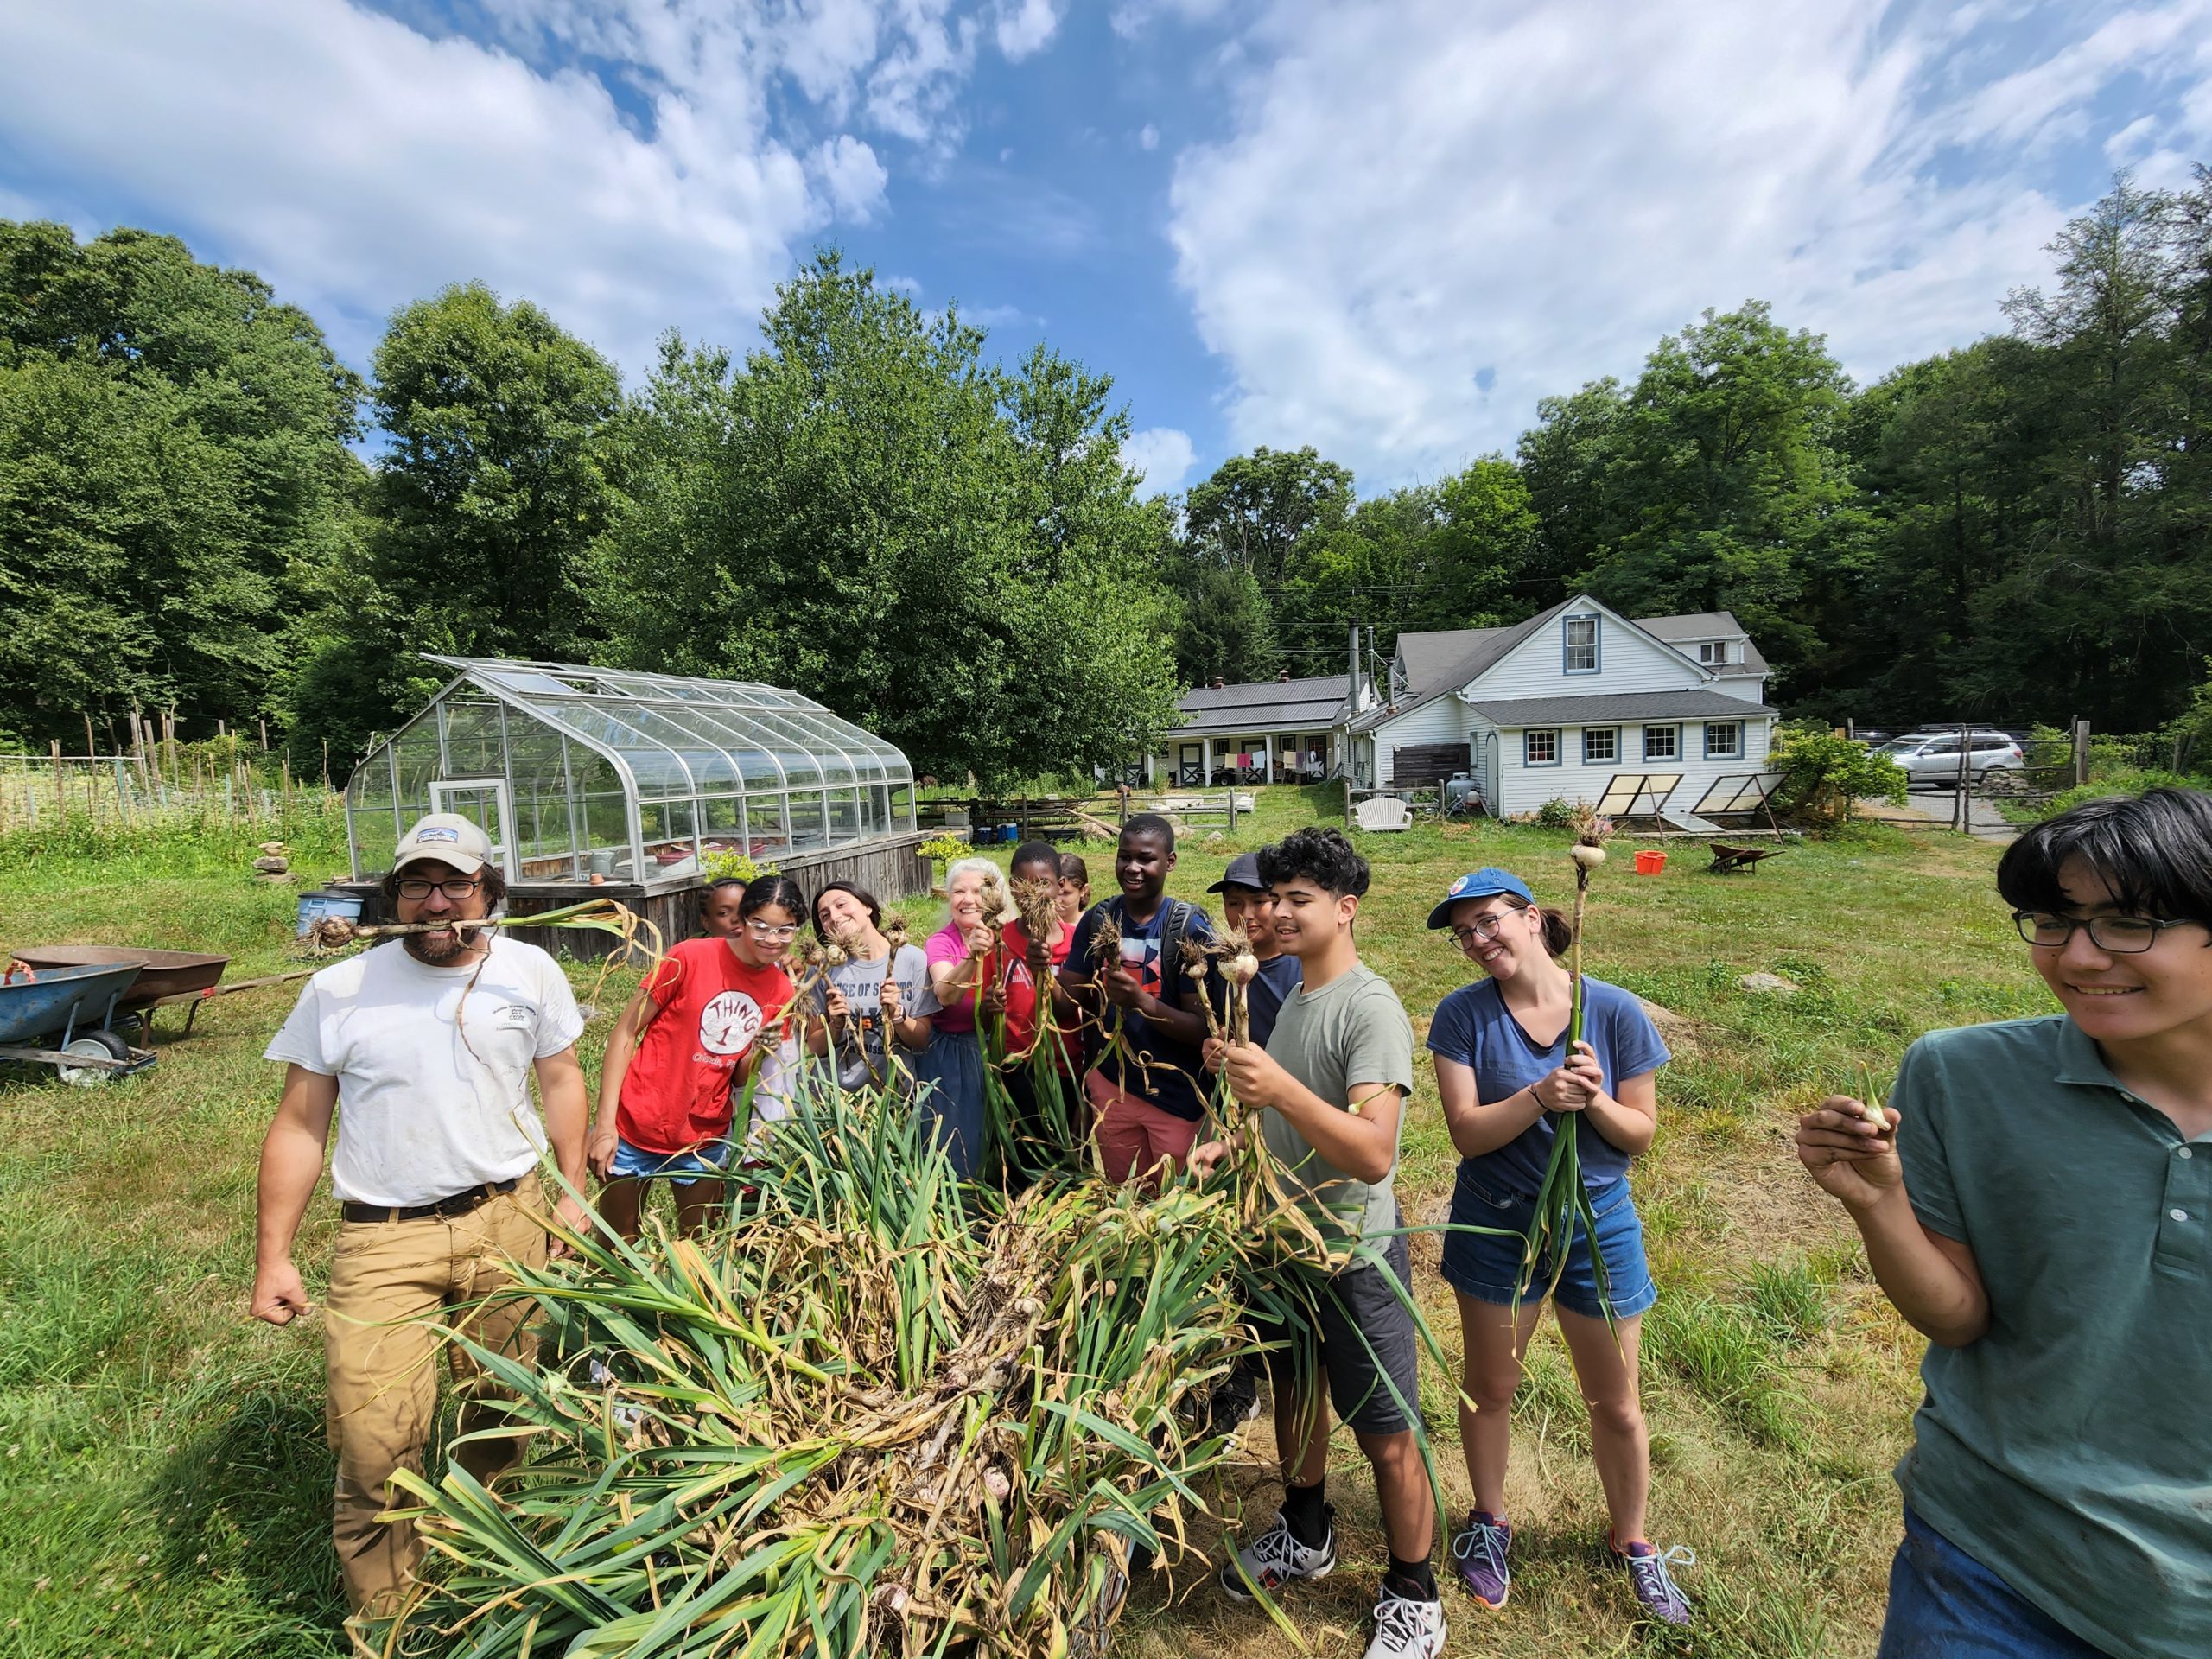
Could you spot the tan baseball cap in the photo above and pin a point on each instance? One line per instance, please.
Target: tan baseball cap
(449, 838)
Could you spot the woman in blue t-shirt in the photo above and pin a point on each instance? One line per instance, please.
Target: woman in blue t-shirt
(1502, 1072)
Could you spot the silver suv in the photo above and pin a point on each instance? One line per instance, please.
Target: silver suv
(1932, 760)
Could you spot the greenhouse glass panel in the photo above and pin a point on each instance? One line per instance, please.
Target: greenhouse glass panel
(418, 765)
(602, 813)
(376, 832)
(538, 786)
(721, 824)
(765, 821)
(808, 825)
(473, 744)
(627, 775)
(670, 847)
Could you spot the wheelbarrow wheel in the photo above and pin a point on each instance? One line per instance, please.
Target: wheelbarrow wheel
(93, 1044)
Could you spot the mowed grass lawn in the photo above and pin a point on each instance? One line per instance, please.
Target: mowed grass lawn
(163, 1486)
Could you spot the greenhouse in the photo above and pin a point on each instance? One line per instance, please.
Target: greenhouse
(600, 775)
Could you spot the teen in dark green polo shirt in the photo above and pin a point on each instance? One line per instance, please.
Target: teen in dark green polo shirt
(2040, 1207)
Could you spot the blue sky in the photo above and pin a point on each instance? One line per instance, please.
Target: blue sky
(1385, 227)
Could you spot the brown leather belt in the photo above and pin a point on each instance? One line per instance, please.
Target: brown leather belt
(459, 1204)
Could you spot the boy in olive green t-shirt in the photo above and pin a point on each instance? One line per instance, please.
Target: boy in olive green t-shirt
(1333, 1079)
(2038, 1203)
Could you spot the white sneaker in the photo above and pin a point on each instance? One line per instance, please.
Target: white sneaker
(1406, 1630)
(1275, 1558)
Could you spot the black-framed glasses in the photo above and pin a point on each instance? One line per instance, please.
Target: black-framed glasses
(457, 889)
(2117, 935)
(1483, 927)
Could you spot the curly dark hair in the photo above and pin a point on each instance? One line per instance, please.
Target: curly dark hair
(1318, 854)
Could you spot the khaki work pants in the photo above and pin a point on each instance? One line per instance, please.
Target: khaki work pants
(390, 1283)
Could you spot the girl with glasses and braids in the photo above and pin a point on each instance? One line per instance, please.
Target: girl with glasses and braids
(706, 1020)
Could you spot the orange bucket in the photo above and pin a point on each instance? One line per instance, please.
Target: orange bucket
(1650, 863)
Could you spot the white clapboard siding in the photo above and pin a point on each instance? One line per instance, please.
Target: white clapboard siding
(1525, 788)
(1442, 721)
(1751, 688)
(1629, 659)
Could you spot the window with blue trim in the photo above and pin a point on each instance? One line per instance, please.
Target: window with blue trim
(1724, 740)
(1662, 742)
(1539, 748)
(1600, 743)
(1578, 644)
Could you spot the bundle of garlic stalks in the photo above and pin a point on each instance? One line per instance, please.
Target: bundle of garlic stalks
(1562, 1201)
(880, 1413)
(329, 934)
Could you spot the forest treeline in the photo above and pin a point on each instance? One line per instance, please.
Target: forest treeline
(873, 509)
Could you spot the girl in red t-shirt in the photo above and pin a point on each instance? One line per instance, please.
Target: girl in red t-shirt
(690, 1039)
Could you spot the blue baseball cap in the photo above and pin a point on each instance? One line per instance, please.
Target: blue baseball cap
(1485, 883)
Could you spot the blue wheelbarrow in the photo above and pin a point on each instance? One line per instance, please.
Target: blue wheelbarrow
(63, 1017)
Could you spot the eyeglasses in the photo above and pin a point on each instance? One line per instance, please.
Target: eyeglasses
(455, 890)
(1483, 927)
(2119, 935)
(780, 933)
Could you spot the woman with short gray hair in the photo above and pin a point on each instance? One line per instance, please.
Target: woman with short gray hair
(953, 1065)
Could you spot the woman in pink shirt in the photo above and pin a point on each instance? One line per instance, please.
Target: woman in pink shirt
(953, 1065)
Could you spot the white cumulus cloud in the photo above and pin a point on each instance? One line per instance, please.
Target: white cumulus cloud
(359, 163)
(1025, 26)
(1552, 188)
(1163, 454)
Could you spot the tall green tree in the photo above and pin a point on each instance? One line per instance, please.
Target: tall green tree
(1725, 479)
(487, 501)
(869, 512)
(1255, 511)
(174, 473)
(1224, 629)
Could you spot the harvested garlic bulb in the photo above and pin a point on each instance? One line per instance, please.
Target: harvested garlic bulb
(1587, 856)
(1244, 968)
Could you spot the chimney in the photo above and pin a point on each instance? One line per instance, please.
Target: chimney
(1218, 682)
(1283, 677)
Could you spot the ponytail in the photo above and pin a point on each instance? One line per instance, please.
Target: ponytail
(1558, 932)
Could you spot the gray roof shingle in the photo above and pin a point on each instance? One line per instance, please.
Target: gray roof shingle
(1708, 625)
(1606, 709)
(1307, 705)
(1480, 649)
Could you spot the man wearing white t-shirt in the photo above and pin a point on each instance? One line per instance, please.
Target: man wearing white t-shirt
(423, 1050)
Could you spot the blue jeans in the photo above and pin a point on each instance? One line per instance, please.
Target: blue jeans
(1945, 1604)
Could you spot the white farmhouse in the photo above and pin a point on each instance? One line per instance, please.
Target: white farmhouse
(1559, 706)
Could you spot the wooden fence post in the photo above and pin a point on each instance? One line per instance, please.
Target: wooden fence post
(60, 791)
(1961, 812)
(2080, 753)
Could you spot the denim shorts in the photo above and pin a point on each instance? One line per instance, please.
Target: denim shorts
(710, 1158)
(1488, 1266)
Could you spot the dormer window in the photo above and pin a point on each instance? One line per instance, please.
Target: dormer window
(1713, 653)
(1579, 643)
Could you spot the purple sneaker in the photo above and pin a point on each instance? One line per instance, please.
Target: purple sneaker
(1647, 1571)
(1480, 1553)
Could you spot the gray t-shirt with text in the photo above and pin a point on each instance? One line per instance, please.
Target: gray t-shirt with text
(860, 1056)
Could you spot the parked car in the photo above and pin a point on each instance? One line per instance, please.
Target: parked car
(1932, 760)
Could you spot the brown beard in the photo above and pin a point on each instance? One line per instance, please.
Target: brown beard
(421, 948)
